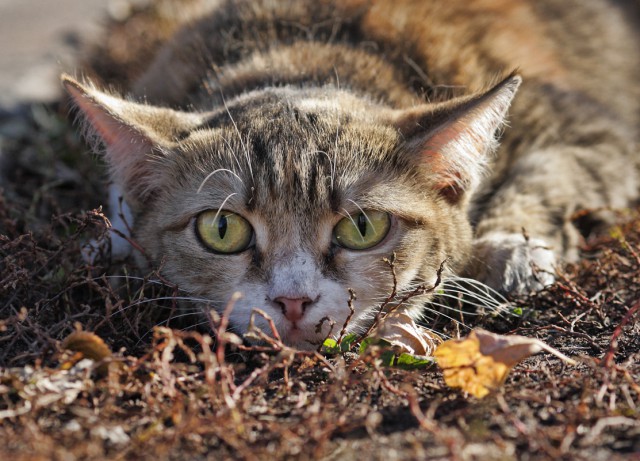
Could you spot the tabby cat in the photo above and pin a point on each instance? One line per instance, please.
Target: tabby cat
(284, 148)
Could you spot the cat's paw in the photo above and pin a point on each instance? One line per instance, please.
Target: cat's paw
(512, 263)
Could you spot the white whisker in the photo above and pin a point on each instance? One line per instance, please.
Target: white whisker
(331, 166)
(210, 175)
(244, 146)
(222, 206)
(233, 153)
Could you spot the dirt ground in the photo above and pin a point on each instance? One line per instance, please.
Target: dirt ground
(171, 392)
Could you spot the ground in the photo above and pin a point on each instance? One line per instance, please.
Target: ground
(172, 393)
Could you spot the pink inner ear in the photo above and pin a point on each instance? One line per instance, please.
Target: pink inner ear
(104, 124)
(455, 155)
(126, 147)
(438, 152)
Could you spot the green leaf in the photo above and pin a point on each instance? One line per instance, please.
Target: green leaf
(371, 341)
(517, 311)
(330, 346)
(388, 357)
(347, 342)
(413, 362)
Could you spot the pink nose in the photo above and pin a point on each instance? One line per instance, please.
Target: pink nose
(293, 308)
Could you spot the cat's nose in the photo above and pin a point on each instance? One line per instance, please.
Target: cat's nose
(293, 308)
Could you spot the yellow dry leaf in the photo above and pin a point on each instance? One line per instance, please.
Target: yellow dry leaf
(482, 361)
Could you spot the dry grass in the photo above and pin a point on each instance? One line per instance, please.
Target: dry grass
(173, 394)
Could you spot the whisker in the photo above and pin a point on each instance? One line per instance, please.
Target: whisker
(466, 302)
(352, 221)
(235, 126)
(210, 175)
(482, 298)
(233, 153)
(493, 293)
(197, 324)
(165, 298)
(335, 152)
(361, 210)
(331, 166)
(132, 277)
(165, 322)
(222, 205)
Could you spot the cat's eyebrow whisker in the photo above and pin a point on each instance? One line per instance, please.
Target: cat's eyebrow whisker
(352, 221)
(335, 151)
(233, 153)
(210, 175)
(235, 126)
(331, 166)
(365, 215)
(222, 205)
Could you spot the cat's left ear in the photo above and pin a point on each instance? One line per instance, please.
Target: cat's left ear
(452, 142)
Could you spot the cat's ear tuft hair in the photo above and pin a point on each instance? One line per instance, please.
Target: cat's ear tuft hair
(453, 142)
(132, 134)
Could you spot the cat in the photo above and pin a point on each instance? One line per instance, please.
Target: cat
(284, 149)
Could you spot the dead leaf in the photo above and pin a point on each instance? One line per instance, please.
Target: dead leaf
(481, 362)
(405, 336)
(90, 345)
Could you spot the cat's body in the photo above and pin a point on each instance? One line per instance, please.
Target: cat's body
(307, 120)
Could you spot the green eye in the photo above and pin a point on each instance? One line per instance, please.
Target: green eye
(224, 231)
(362, 230)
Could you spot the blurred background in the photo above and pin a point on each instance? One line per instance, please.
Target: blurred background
(38, 40)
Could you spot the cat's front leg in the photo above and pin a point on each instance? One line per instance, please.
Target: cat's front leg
(525, 228)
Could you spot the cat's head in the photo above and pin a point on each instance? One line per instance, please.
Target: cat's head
(292, 197)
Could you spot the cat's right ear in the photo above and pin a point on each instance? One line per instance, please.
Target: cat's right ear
(136, 137)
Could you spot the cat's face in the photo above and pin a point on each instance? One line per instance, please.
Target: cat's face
(292, 199)
(291, 205)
